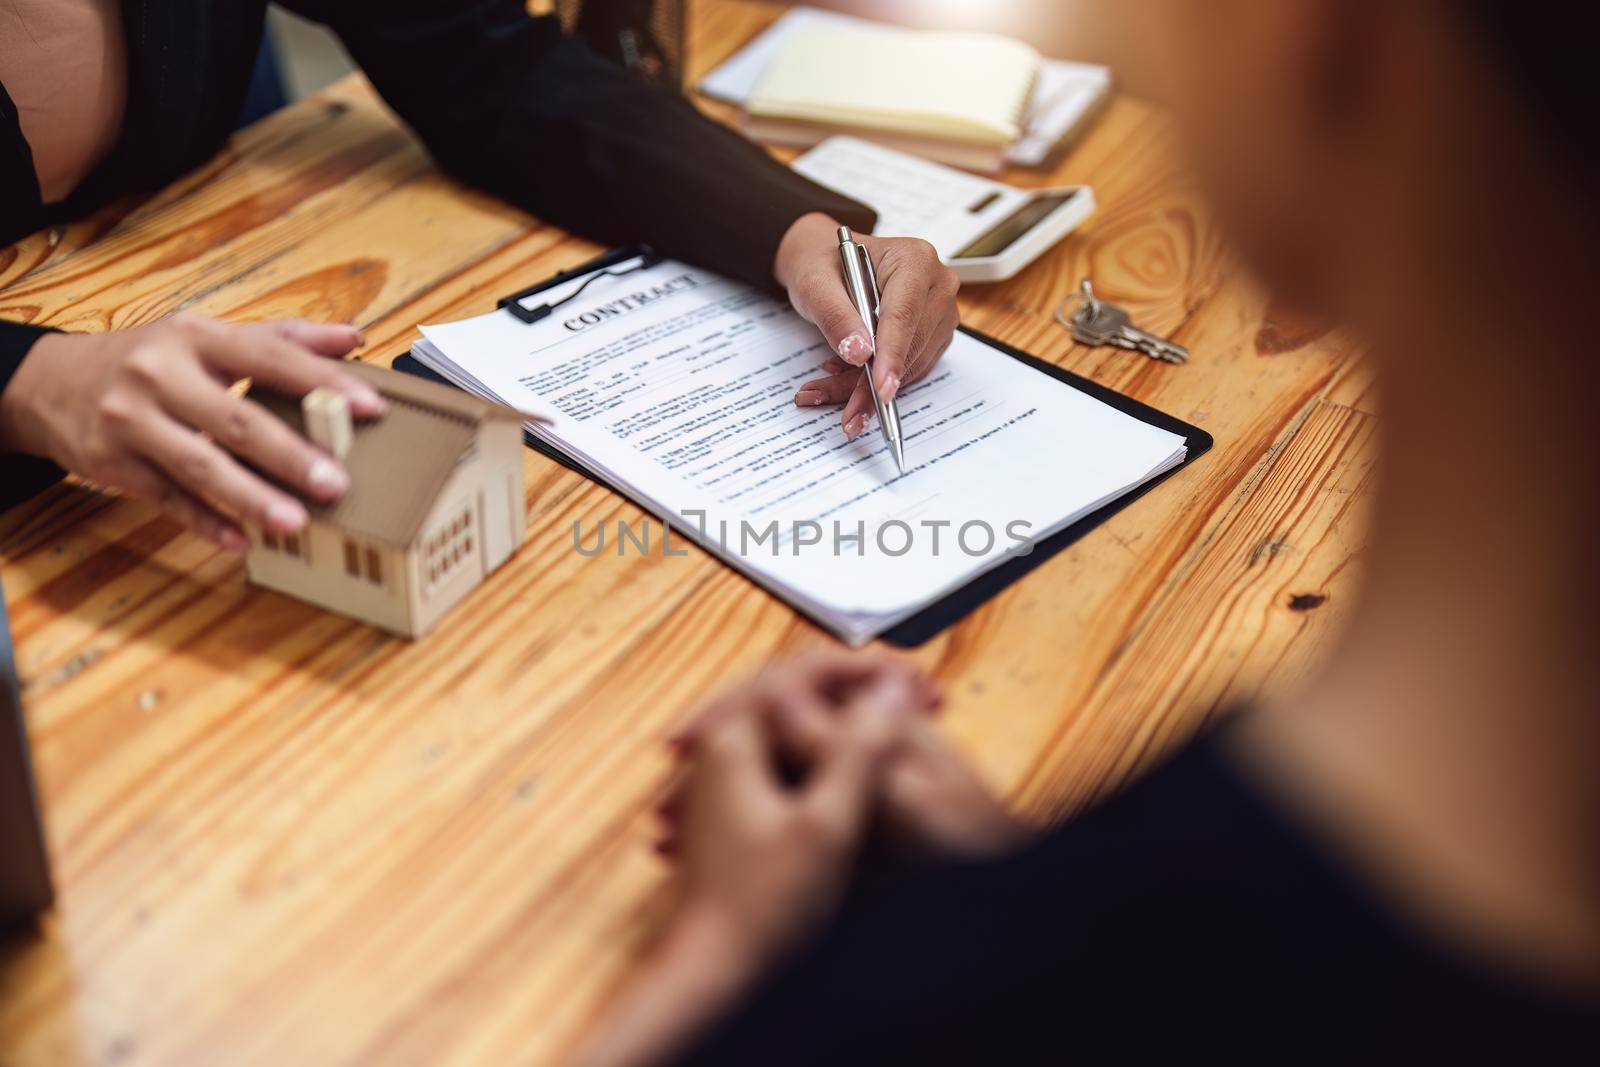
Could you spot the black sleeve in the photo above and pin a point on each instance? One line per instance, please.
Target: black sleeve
(1184, 920)
(1036, 959)
(21, 476)
(507, 103)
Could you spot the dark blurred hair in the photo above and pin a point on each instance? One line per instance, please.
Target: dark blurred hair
(1545, 50)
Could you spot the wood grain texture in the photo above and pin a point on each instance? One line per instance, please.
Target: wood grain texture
(282, 837)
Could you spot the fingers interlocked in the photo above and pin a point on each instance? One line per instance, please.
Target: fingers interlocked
(817, 728)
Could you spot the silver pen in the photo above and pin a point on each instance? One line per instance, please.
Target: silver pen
(862, 282)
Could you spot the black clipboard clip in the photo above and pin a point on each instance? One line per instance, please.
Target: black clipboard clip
(596, 269)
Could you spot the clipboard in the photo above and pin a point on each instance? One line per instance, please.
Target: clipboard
(955, 606)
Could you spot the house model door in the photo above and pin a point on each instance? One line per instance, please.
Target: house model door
(494, 510)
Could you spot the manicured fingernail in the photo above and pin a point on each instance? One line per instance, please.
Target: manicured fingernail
(890, 386)
(855, 349)
(853, 428)
(286, 515)
(327, 478)
(808, 398)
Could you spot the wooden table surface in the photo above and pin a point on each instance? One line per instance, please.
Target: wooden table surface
(282, 837)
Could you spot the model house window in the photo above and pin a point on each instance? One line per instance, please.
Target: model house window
(355, 555)
(297, 545)
(447, 548)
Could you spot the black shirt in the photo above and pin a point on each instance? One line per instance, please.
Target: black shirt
(1184, 919)
(503, 101)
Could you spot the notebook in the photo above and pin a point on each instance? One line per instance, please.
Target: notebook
(1064, 98)
(967, 87)
(676, 387)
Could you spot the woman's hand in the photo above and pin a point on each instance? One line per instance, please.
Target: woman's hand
(917, 320)
(148, 411)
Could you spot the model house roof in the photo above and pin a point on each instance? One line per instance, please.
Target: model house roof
(399, 462)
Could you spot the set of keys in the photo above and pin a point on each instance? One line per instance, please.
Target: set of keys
(1098, 322)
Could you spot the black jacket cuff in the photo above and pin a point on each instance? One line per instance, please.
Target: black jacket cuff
(21, 476)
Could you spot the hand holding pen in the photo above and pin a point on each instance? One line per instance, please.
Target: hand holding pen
(917, 318)
(862, 282)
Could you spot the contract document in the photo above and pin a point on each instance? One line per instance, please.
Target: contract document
(676, 386)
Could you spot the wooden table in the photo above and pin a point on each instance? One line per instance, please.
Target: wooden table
(285, 838)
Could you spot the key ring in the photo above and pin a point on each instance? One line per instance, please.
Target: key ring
(1084, 292)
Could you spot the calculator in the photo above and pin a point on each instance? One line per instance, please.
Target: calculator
(984, 230)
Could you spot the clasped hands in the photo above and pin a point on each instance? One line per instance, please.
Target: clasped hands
(780, 779)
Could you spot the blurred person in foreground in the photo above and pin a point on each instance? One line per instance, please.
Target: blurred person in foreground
(1400, 862)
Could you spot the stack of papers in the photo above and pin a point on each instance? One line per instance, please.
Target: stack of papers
(676, 387)
(970, 100)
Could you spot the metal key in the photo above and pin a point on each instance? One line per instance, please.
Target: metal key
(1100, 323)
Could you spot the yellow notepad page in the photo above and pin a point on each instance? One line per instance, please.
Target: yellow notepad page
(971, 87)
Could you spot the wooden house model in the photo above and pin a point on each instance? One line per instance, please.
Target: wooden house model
(435, 503)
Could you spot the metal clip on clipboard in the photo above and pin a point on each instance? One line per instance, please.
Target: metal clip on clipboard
(513, 303)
